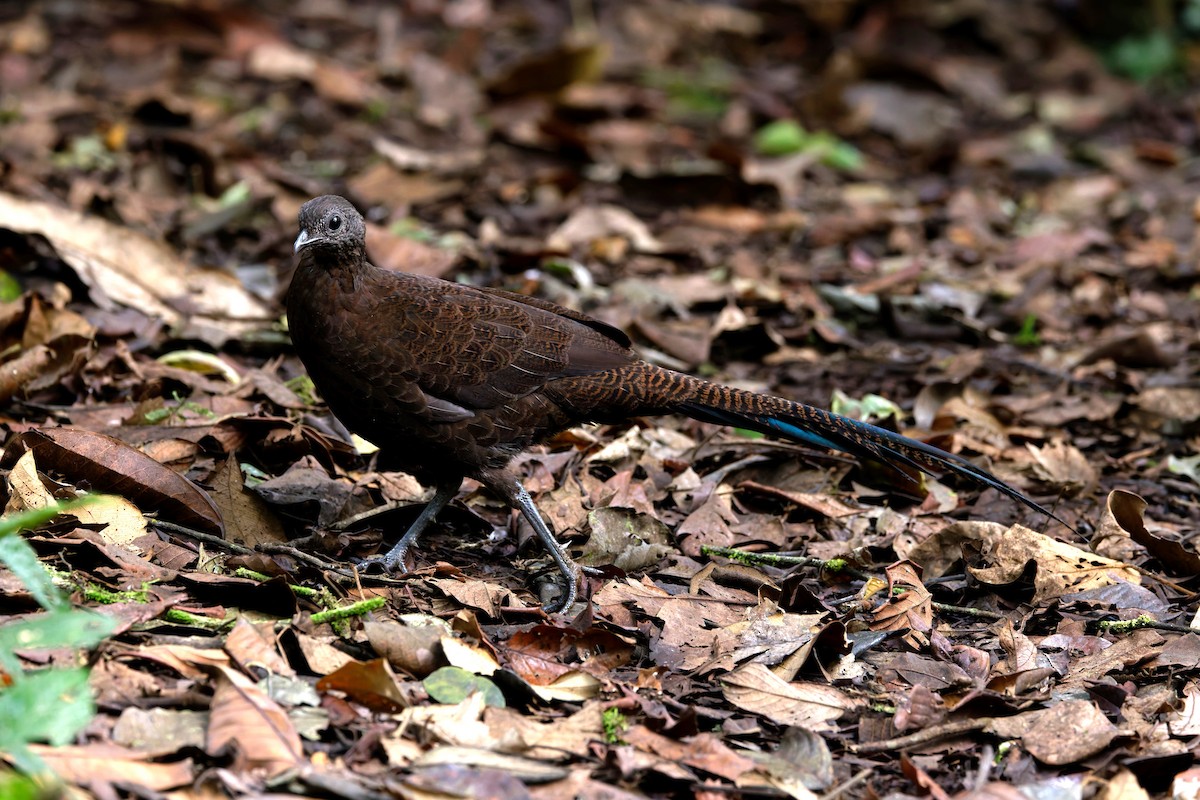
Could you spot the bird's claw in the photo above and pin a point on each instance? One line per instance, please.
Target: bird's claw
(385, 564)
(569, 592)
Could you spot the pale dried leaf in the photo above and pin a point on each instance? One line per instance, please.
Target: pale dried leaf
(122, 266)
(814, 706)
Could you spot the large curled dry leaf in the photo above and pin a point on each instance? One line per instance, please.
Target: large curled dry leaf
(1061, 568)
(1125, 513)
(372, 683)
(122, 266)
(109, 465)
(243, 713)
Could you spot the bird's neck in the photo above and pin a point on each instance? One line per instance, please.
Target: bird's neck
(340, 272)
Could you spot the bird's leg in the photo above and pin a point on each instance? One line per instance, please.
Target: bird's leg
(520, 498)
(395, 557)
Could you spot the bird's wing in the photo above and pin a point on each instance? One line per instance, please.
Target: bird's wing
(475, 349)
(610, 332)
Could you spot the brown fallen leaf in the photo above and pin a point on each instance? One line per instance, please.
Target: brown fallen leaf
(1064, 466)
(579, 56)
(109, 465)
(922, 779)
(482, 759)
(254, 645)
(625, 539)
(553, 739)
(242, 713)
(485, 596)
(251, 521)
(1125, 513)
(822, 504)
(158, 732)
(703, 752)
(320, 654)
(413, 648)
(919, 708)
(545, 653)
(814, 706)
(23, 370)
(1061, 568)
(1065, 733)
(917, 120)
(767, 639)
(1184, 721)
(1171, 407)
(907, 605)
(371, 683)
(108, 763)
(472, 657)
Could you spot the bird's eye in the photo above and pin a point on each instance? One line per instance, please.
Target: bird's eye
(335, 222)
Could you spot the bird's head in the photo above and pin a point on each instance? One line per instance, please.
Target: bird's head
(330, 223)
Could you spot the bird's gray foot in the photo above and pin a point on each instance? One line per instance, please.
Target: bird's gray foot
(393, 560)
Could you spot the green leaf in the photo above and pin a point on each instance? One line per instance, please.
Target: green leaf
(50, 705)
(833, 152)
(72, 628)
(61, 628)
(871, 406)
(28, 520)
(615, 724)
(19, 556)
(783, 137)
(10, 289)
(1028, 335)
(304, 388)
(21, 787)
(700, 92)
(1144, 57)
(16, 553)
(780, 138)
(453, 685)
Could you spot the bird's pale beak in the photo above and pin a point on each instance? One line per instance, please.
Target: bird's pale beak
(303, 240)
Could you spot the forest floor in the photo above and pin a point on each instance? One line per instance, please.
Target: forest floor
(948, 217)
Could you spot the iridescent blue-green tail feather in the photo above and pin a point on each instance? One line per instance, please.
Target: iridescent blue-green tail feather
(813, 426)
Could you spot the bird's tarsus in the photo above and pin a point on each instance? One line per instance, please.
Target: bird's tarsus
(570, 571)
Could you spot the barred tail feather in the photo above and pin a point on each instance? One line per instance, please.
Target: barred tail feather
(814, 426)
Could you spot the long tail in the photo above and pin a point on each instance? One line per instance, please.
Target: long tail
(808, 425)
(642, 389)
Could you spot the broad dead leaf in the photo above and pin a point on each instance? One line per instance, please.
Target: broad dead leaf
(907, 606)
(625, 539)
(1065, 733)
(1125, 514)
(122, 266)
(250, 521)
(813, 706)
(371, 683)
(109, 465)
(1063, 465)
(704, 752)
(242, 713)
(100, 762)
(1060, 568)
